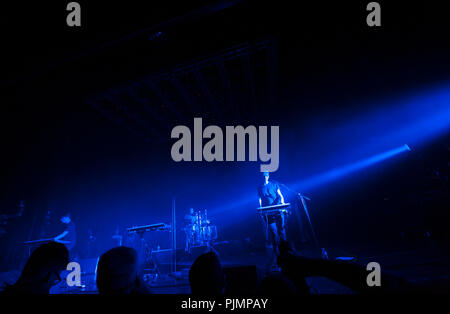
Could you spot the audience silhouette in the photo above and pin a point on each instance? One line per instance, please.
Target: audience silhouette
(206, 276)
(276, 285)
(118, 273)
(42, 270)
(352, 275)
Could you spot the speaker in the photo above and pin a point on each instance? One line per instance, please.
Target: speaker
(241, 280)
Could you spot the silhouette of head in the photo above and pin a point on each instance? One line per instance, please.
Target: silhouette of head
(42, 270)
(66, 218)
(117, 272)
(206, 276)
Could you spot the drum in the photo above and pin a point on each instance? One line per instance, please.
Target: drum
(209, 233)
(200, 231)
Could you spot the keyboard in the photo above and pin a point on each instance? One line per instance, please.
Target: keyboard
(273, 209)
(38, 242)
(154, 227)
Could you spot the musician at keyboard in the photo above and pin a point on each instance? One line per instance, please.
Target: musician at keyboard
(269, 194)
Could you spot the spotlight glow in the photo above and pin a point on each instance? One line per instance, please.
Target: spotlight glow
(345, 170)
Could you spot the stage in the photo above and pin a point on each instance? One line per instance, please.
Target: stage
(229, 126)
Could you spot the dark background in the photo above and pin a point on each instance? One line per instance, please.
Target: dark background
(59, 153)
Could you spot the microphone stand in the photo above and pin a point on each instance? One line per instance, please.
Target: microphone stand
(302, 198)
(173, 264)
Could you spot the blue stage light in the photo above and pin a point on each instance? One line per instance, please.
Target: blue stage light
(313, 182)
(348, 169)
(343, 144)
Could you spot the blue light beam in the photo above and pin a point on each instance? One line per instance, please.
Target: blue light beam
(345, 170)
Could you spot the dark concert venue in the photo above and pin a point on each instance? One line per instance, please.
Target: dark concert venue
(225, 148)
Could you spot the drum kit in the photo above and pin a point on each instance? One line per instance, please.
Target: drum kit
(199, 230)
